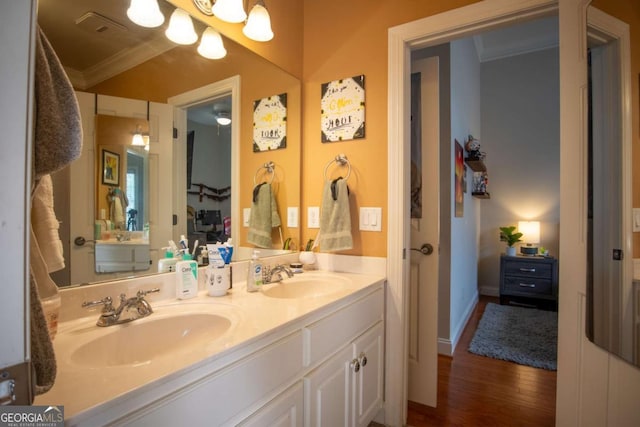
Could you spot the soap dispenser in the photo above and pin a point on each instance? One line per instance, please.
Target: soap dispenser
(254, 275)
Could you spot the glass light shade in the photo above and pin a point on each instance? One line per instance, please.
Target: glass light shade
(229, 11)
(258, 26)
(181, 29)
(530, 231)
(223, 119)
(137, 140)
(145, 13)
(211, 45)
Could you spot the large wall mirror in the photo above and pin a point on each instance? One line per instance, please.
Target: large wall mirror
(124, 70)
(613, 297)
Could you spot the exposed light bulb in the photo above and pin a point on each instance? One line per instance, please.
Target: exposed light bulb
(258, 25)
(211, 45)
(229, 11)
(181, 29)
(145, 13)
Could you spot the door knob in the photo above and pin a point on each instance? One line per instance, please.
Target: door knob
(80, 241)
(426, 249)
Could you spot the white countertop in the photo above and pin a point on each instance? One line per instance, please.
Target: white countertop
(85, 389)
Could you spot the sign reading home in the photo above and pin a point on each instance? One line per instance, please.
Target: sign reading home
(31, 416)
(342, 109)
(270, 123)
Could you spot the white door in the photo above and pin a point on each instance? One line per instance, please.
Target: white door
(423, 322)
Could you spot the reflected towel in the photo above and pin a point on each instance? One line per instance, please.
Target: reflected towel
(335, 217)
(45, 224)
(264, 216)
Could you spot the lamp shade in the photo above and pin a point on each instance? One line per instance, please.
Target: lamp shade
(258, 25)
(181, 29)
(229, 11)
(530, 231)
(211, 45)
(223, 118)
(145, 13)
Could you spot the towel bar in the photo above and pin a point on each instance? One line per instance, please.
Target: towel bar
(341, 160)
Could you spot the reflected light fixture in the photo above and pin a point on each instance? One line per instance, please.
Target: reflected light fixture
(211, 46)
(137, 139)
(145, 13)
(229, 11)
(258, 25)
(223, 118)
(180, 28)
(530, 236)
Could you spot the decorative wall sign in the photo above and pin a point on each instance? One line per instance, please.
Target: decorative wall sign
(342, 109)
(270, 123)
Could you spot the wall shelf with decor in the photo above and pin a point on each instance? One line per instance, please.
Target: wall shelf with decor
(479, 195)
(476, 165)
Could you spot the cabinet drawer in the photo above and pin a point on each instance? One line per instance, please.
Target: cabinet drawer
(527, 269)
(528, 286)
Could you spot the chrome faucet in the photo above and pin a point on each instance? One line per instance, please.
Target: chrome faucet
(268, 273)
(135, 307)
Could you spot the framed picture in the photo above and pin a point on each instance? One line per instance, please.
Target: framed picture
(342, 109)
(459, 172)
(270, 123)
(110, 168)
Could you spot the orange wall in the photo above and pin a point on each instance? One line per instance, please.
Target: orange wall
(345, 39)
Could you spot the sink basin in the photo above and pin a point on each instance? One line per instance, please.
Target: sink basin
(144, 340)
(307, 285)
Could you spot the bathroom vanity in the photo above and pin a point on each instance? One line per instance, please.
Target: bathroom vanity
(283, 356)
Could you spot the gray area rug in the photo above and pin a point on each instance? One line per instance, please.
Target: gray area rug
(526, 336)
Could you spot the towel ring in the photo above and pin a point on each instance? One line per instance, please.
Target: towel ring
(269, 166)
(341, 160)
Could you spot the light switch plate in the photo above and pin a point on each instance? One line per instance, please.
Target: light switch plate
(371, 219)
(636, 219)
(313, 217)
(246, 213)
(292, 216)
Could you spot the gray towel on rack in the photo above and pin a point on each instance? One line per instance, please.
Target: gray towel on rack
(58, 127)
(335, 217)
(264, 216)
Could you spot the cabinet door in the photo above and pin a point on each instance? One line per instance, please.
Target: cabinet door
(328, 391)
(368, 380)
(286, 410)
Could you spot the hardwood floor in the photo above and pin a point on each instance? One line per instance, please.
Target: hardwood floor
(479, 391)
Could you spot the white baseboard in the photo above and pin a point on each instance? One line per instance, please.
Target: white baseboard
(448, 346)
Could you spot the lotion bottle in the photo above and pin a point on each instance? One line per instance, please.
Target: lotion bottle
(254, 275)
(186, 278)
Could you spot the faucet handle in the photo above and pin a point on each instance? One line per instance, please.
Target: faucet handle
(106, 302)
(142, 294)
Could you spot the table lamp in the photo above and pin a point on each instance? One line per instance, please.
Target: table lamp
(530, 236)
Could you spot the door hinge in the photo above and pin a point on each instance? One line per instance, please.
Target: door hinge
(15, 385)
(404, 253)
(175, 133)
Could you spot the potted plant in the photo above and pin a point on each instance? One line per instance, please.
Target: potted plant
(509, 235)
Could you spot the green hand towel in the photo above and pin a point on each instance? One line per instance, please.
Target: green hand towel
(335, 218)
(264, 217)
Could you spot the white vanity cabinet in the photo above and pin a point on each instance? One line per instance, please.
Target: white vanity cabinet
(347, 389)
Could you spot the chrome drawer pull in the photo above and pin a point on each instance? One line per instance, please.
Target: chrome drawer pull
(528, 270)
(528, 285)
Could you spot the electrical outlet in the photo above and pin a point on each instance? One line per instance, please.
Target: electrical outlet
(292, 216)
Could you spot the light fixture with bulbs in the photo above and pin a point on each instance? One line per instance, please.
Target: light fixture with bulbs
(231, 11)
(258, 26)
(211, 45)
(145, 13)
(180, 28)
